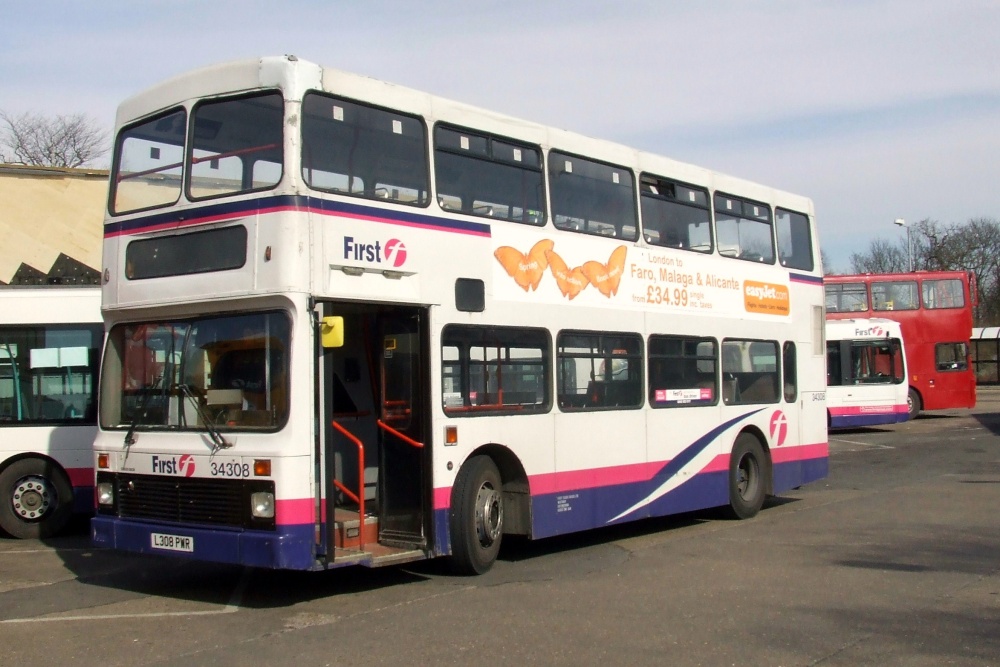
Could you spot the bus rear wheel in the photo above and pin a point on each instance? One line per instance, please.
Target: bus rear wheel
(747, 484)
(913, 403)
(476, 516)
(36, 499)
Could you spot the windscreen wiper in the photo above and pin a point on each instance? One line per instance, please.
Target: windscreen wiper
(218, 441)
(141, 412)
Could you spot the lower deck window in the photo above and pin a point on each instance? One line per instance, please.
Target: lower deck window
(491, 370)
(599, 371)
(951, 356)
(682, 371)
(750, 372)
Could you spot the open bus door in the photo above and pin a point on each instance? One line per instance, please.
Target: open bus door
(401, 424)
(372, 459)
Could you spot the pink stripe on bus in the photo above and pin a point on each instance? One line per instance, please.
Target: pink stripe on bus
(575, 480)
(294, 511)
(852, 410)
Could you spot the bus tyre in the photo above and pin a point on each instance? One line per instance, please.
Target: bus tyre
(36, 499)
(747, 485)
(913, 405)
(476, 516)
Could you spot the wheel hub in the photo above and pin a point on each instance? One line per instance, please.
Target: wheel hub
(32, 497)
(489, 515)
(747, 477)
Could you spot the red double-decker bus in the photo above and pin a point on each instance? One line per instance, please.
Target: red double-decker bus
(934, 311)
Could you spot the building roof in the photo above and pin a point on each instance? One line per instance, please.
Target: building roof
(51, 224)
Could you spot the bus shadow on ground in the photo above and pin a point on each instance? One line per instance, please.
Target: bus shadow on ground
(111, 577)
(989, 420)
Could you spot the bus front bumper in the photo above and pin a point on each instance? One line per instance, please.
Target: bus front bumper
(287, 547)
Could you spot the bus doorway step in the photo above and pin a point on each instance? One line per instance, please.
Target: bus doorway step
(376, 555)
(348, 532)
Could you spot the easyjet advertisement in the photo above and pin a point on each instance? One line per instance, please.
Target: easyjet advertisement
(588, 272)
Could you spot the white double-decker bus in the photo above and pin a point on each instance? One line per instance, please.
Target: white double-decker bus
(353, 323)
(50, 346)
(866, 373)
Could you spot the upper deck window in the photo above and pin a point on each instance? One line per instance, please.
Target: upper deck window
(846, 297)
(236, 145)
(948, 293)
(592, 197)
(743, 229)
(895, 295)
(478, 174)
(675, 215)
(148, 161)
(355, 149)
(794, 240)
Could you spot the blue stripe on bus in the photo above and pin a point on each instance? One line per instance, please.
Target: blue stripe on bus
(236, 209)
(805, 278)
(83, 499)
(852, 421)
(591, 507)
(572, 510)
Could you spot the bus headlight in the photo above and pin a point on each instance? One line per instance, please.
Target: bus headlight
(105, 493)
(262, 504)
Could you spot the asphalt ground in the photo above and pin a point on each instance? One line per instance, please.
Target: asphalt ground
(892, 560)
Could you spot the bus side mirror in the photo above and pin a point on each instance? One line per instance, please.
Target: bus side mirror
(332, 332)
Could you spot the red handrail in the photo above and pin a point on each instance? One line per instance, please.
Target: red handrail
(408, 440)
(360, 498)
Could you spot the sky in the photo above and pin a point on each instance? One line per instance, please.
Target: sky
(875, 109)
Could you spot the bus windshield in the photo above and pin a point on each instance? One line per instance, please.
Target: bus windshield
(229, 373)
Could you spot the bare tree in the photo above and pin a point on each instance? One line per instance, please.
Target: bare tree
(60, 141)
(974, 246)
(882, 257)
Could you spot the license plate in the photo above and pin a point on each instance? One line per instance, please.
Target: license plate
(172, 542)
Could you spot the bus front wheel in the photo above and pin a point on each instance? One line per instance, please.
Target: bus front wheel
(476, 516)
(747, 486)
(913, 403)
(36, 499)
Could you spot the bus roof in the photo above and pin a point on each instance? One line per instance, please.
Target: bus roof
(910, 275)
(50, 305)
(295, 77)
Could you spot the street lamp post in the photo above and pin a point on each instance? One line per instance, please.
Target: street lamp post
(909, 249)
